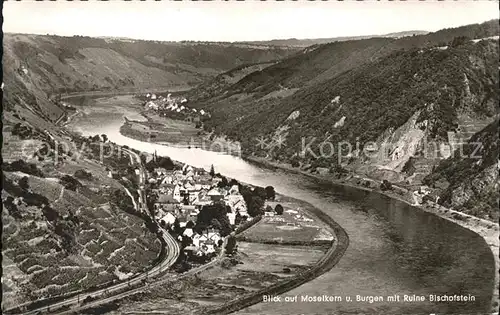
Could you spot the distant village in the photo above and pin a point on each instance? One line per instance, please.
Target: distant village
(198, 207)
(166, 106)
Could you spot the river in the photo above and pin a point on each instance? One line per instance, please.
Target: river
(394, 248)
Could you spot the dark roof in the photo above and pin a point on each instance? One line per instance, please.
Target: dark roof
(164, 198)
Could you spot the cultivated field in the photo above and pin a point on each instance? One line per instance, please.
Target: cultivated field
(294, 226)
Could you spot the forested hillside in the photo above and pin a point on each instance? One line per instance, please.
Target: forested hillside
(319, 63)
(469, 181)
(398, 94)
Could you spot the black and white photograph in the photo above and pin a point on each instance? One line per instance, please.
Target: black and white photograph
(250, 157)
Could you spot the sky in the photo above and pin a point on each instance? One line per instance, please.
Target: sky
(239, 21)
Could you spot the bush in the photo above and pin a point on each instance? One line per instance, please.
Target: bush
(22, 166)
(50, 214)
(69, 182)
(386, 185)
(23, 183)
(82, 174)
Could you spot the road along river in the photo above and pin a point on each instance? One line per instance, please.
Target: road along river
(394, 250)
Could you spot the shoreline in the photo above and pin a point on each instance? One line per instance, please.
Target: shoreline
(332, 256)
(486, 229)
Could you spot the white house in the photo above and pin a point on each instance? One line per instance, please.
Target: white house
(169, 218)
(151, 105)
(167, 180)
(188, 232)
(199, 239)
(232, 218)
(177, 193)
(234, 190)
(214, 236)
(160, 171)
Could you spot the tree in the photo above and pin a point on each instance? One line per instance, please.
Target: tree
(270, 193)
(186, 241)
(233, 182)
(459, 40)
(49, 213)
(269, 209)
(278, 209)
(104, 137)
(165, 162)
(212, 171)
(295, 161)
(237, 218)
(190, 224)
(185, 199)
(261, 192)
(255, 206)
(231, 245)
(223, 183)
(143, 159)
(23, 183)
(177, 227)
(215, 224)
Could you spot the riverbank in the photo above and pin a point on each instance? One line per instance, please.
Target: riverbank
(176, 133)
(487, 230)
(338, 247)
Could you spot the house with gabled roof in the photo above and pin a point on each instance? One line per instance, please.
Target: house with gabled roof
(199, 239)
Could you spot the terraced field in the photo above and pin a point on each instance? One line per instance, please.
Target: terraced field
(60, 239)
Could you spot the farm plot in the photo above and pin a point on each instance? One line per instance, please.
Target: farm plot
(280, 230)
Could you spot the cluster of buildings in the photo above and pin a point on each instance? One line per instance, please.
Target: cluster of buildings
(181, 196)
(170, 103)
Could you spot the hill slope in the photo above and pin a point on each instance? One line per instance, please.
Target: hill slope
(49, 65)
(469, 181)
(402, 111)
(318, 63)
(294, 42)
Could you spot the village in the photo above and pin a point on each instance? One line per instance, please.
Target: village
(172, 105)
(198, 208)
